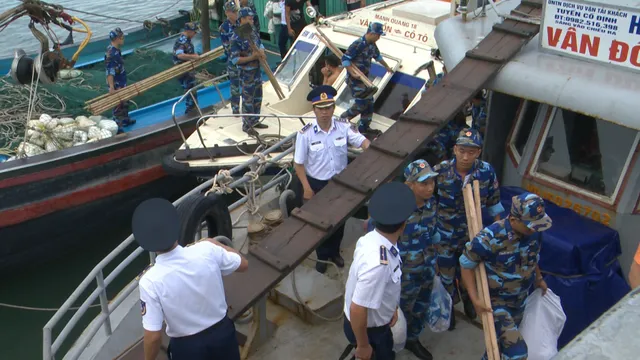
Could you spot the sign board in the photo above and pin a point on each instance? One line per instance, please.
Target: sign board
(592, 31)
(394, 26)
(310, 37)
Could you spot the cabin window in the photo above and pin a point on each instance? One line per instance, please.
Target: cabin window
(397, 95)
(586, 153)
(376, 74)
(296, 60)
(522, 130)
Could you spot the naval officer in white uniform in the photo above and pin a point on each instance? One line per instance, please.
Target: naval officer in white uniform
(373, 288)
(321, 153)
(184, 288)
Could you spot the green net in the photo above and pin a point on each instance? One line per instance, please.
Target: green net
(68, 95)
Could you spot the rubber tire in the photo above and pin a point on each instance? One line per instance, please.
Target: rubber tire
(198, 208)
(174, 168)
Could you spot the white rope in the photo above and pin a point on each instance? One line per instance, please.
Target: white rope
(32, 100)
(220, 182)
(31, 308)
(304, 303)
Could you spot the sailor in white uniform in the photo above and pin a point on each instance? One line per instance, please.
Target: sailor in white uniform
(321, 153)
(184, 288)
(373, 289)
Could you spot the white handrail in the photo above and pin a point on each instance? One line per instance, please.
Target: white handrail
(51, 346)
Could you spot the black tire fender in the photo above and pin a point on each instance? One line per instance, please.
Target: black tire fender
(198, 208)
(174, 168)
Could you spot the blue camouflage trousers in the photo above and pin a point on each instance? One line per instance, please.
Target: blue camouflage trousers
(417, 282)
(251, 82)
(121, 111)
(507, 315)
(234, 82)
(449, 250)
(361, 106)
(188, 81)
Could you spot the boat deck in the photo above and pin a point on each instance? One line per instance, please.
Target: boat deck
(326, 340)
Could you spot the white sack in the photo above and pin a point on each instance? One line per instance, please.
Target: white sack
(542, 323)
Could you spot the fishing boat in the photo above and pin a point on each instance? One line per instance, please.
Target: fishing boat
(137, 36)
(97, 182)
(535, 92)
(409, 26)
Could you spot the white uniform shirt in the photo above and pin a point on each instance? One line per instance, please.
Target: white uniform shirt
(371, 283)
(184, 288)
(324, 154)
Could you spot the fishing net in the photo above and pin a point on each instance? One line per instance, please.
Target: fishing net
(67, 97)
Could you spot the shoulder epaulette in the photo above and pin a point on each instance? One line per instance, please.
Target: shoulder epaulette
(342, 120)
(305, 128)
(383, 255)
(143, 272)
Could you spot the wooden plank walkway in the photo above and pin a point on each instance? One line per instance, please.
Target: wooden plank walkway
(291, 242)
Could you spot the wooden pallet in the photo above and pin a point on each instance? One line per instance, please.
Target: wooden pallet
(291, 242)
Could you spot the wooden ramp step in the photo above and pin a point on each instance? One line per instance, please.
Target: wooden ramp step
(291, 242)
(299, 235)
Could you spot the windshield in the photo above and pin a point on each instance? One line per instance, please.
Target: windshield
(397, 95)
(375, 75)
(295, 60)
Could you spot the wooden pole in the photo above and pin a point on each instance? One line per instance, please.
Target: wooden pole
(204, 26)
(339, 54)
(474, 223)
(267, 70)
(108, 101)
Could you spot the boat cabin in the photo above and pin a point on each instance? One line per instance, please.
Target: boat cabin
(562, 115)
(407, 48)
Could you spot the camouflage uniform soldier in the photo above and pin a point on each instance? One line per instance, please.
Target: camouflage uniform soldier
(417, 251)
(254, 14)
(510, 250)
(441, 147)
(117, 77)
(359, 54)
(250, 76)
(479, 112)
(183, 51)
(463, 169)
(226, 33)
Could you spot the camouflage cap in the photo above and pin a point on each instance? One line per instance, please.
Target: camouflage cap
(469, 137)
(115, 33)
(191, 26)
(376, 28)
(231, 6)
(419, 171)
(529, 208)
(245, 11)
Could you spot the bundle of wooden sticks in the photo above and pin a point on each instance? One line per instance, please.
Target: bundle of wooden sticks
(108, 101)
(473, 211)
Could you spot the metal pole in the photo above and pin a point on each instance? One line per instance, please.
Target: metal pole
(104, 302)
(204, 25)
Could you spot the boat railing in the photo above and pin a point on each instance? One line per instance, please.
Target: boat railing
(189, 93)
(261, 118)
(51, 345)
